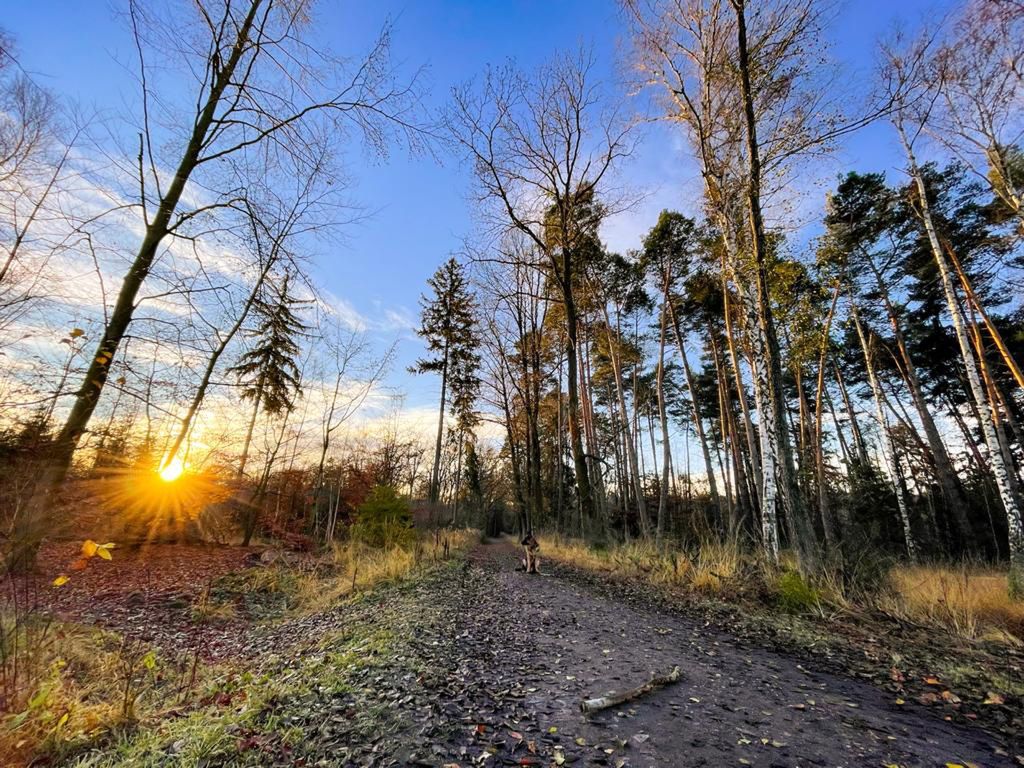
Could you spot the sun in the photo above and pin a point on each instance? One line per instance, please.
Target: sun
(172, 470)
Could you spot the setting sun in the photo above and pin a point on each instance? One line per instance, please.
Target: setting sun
(172, 471)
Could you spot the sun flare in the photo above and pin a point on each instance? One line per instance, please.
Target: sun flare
(172, 470)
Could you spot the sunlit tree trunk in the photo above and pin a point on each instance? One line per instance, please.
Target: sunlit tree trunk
(887, 446)
(951, 492)
(780, 494)
(698, 423)
(629, 435)
(666, 457)
(995, 458)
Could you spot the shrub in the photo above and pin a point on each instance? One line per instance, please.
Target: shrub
(384, 519)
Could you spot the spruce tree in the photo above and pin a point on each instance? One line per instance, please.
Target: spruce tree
(268, 373)
(449, 328)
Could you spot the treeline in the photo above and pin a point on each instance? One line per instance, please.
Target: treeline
(858, 389)
(730, 376)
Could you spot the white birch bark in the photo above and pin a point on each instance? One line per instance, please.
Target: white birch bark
(995, 457)
(888, 449)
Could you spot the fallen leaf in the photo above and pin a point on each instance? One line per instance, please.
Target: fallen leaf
(994, 698)
(62, 580)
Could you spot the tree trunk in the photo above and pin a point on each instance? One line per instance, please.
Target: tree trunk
(952, 492)
(666, 451)
(631, 453)
(748, 425)
(248, 433)
(888, 447)
(698, 423)
(586, 501)
(995, 457)
(828, 519)
(776, 444)
(435, 472)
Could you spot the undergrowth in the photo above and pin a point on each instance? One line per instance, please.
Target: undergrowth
(81, 685)
(969, 602)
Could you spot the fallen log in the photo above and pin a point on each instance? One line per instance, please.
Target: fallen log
(589, 706)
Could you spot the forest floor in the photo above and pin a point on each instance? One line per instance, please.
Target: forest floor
(475, 663)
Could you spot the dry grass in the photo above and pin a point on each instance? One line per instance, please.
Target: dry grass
(90, 680)
(970, 602)
(714, 564)
(93, 680)
(354, 567)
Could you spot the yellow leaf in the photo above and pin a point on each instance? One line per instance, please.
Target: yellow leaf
(61, 580)
(103, 552)
(89, 548)
(994, 698)
(76, 332)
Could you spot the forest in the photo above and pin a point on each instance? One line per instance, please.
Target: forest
(780, 418)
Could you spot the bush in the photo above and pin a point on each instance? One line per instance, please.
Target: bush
(384, 519)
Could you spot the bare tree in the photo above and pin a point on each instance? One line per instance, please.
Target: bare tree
(543, 148)
(260, 91)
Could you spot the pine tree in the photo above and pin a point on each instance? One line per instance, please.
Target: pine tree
(448, 325)
(268, 373)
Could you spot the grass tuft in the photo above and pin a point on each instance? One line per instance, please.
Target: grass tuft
(973, 603)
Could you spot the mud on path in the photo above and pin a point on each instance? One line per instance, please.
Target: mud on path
(504, 659)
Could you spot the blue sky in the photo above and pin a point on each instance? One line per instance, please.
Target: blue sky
(420, 207)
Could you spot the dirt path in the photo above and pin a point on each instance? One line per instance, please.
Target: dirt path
(735, 706)
(473, 663)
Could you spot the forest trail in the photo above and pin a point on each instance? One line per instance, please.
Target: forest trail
(522, 651)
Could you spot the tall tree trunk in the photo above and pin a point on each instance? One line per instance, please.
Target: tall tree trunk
(434, 493)
(698, 423)
(579, 458)
(888, 447)
(830, 524)
(257, 401)
(776, 438)
(666, 457)
(952, 492)
(631, 452)
(748, 425)
(995, 457)
(858, 434)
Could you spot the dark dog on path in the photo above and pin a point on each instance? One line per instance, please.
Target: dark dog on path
(531, 563)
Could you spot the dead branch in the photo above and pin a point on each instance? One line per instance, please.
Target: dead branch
(589, 706)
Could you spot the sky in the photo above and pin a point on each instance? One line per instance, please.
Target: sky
(419, 209)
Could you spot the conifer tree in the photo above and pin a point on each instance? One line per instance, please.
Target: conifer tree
(267, 373)
(449, 327)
